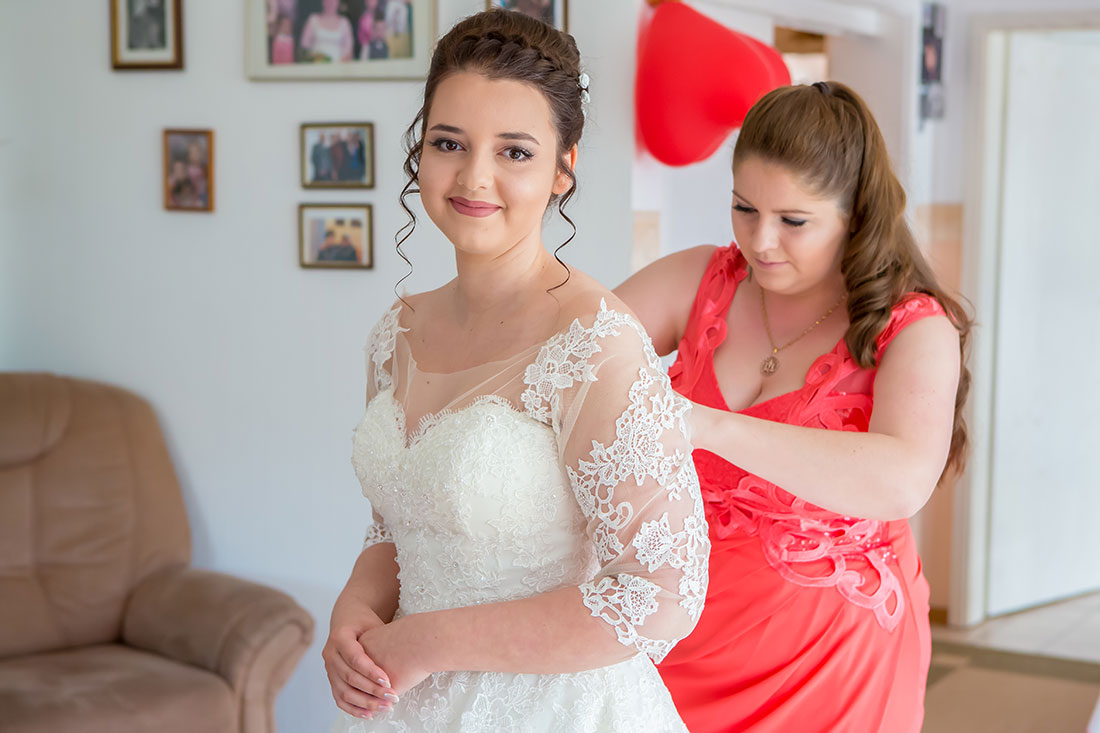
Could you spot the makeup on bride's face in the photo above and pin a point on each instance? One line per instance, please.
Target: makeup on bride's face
(489, 165)
(792, 239)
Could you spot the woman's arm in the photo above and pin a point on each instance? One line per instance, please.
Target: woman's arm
(369, 600)
(886, 473)
(661, 295)
(307, 34)
(551, 633)
(347, 39)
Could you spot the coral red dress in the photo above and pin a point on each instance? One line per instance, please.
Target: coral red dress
(813, 621)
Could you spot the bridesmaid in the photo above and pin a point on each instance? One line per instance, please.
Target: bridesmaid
(831, 362)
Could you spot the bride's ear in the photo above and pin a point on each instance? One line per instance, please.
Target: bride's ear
(562, 182)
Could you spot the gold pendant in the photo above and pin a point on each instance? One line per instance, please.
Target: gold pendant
(769, 366)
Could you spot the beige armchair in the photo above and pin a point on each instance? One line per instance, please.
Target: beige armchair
(103, 626)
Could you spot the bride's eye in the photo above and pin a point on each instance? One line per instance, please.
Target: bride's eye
(445, 144)
(518, 154)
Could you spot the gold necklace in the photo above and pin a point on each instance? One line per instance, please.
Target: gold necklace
(770, 365)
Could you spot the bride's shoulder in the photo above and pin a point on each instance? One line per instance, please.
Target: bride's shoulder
(411, 311)
(586, 300)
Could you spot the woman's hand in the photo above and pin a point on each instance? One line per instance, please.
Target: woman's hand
(393, 646)
(359, 685)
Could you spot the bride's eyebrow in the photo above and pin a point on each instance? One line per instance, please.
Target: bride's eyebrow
(447, 128)
(519, 136)
(526, 137)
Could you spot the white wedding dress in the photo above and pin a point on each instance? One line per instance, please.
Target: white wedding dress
(565, 465)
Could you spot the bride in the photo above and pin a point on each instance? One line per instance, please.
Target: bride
(538, 539)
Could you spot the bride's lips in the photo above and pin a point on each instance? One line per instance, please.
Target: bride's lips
(479, 209)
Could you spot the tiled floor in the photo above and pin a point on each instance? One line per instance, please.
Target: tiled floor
(1029, 672)
(1069, 629)
(981, 690)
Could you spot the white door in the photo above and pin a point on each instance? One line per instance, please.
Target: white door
(1044, 540)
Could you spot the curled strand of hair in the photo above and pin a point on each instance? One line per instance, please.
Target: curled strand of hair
(562, 201)
(414, 145)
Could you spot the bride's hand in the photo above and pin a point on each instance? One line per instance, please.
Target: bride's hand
(355, 678)
(391, 647)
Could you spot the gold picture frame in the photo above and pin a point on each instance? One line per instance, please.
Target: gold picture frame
(336, 154)
(336, 236)
(188, 173)
(146, 35)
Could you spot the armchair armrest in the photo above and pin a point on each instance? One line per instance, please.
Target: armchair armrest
(249, 634)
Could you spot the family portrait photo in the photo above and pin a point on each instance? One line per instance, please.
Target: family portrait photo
(335, 235)
(146, 34)
(553, 12)
(189, 170)
(337, 155)
(338, 38)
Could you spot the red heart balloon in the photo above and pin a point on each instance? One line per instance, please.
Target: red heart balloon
(696, 81)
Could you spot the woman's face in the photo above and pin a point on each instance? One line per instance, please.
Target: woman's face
(792, 239)
(489, 164)
(329, 7)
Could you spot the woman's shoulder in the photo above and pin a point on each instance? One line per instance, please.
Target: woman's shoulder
(585, 299)
(913, 307)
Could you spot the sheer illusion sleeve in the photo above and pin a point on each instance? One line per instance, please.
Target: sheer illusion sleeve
(379, 352)
(623, 439)
(379, 356)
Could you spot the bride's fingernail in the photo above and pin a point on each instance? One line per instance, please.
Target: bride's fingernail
(382, 681)
(390, 696)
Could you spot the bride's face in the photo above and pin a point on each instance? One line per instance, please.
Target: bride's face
(489, 165)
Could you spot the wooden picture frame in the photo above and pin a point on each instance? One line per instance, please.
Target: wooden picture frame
(554, 12)
(300, 41)
(188, 174)
(336, 236)
(336, 154)
(146, 35)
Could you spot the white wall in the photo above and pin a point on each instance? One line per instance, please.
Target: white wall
(947, 148)
(253, 365)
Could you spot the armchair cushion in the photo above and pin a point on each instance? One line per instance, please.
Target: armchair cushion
(217, 622)
(109, 688)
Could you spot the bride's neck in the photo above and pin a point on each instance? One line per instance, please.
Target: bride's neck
(489, 285)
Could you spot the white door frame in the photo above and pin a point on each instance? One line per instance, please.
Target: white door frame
(981, 251)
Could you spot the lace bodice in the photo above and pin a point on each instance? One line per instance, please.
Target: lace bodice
(566, 465)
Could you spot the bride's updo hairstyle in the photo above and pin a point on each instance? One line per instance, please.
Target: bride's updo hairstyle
(505, 45)
(825, 136)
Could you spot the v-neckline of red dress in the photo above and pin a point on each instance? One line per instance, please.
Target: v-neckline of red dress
(740, 272)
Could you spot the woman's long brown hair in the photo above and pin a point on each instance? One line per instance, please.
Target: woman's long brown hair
(826, 136)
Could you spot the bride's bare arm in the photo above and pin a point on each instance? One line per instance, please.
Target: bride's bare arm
(368, 600)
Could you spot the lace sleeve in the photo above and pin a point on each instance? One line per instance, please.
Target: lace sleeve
(379, 352)
(623, 439)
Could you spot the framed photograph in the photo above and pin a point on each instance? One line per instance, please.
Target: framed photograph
(337, 155)
(339, 39)
(189, 170)
(554, 12)
(335, 235)
(146, 34)
(931, 61)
